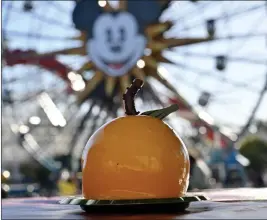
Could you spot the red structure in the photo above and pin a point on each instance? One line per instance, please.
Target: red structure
(31, 57)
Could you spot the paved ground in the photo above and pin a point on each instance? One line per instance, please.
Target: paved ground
(235, 206)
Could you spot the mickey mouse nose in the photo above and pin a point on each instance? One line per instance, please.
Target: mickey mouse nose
(116, 49)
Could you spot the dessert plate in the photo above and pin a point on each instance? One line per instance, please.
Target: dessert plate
(165, 205)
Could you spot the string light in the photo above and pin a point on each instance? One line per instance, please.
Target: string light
(102, 3)
(141, 64)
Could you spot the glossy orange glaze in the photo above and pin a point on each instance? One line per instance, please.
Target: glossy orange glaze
(135, 157)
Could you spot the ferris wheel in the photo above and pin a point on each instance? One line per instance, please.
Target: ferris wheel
(66, 65)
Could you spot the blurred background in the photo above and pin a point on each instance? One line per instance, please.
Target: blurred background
(209, 57)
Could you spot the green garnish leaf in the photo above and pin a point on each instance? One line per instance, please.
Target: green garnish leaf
(161, 113)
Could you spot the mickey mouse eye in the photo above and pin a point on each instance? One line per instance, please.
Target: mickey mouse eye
(109, 35)
(122, 33)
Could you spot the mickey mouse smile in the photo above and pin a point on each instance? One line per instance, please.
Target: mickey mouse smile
(116, 45)
(118, 65)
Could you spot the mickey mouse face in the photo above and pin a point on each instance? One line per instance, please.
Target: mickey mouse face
(116, 45)
(115, 40)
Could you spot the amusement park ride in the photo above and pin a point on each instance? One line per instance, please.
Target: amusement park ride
(114, 44)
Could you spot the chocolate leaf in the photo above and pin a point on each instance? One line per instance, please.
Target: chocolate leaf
(161, 113)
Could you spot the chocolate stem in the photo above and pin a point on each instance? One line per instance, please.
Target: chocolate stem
(129, 95)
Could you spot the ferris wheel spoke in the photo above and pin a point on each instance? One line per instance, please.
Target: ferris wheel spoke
(156, 46)
(205, 73)
(232, 37)
(81, 126)
(148, 96)
(77, 149)
(222, 94)
(172, 42)
(69, 51)
(122, 5)
(29, 97)
(139, 73)
(154, 30)
(256, 24)
(35, 92)
(13, 80)
(125, 81)
(228, 101)
(13, 33)
(229, 58)
(33, 95)
(107, 7)
(110, 84)
(87, 66)
(5, 21)
(190, 84)
(96, 119)
(191, 13)
(90, 85)
(177, 78)
(162, 80)
(156, 74)
(153, 95)
(58, 7)
(227, 17)
(41, 18)
(7, 79)
(32, 147)
(254, 110)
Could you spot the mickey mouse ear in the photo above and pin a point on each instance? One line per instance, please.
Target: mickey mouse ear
(85, 13)
(146, 12)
